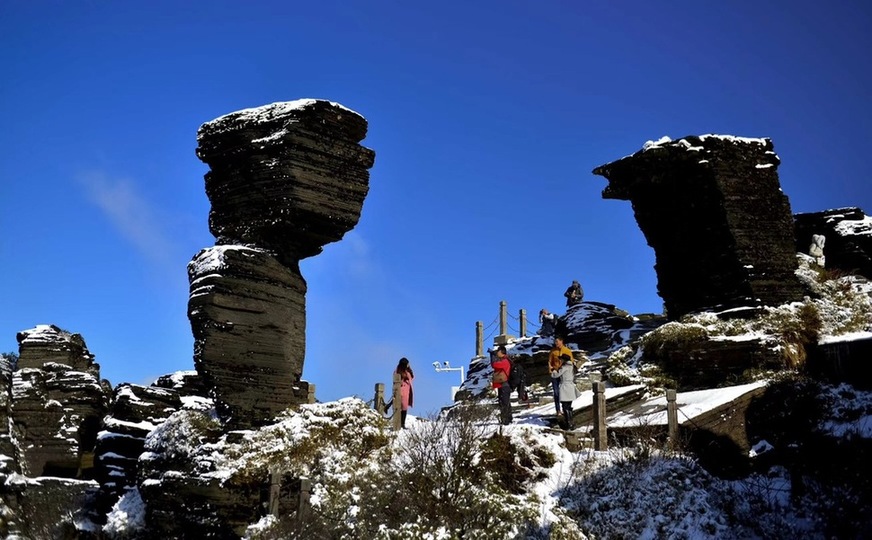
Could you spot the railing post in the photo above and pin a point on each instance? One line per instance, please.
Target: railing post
(600, 440)
(503, 318)
(303, 502)
(379, 400)
(523, 317)
(398, 402)
(275, 486)
(479, 338)
(672, 416)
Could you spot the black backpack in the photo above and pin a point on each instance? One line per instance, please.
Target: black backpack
(516, 374)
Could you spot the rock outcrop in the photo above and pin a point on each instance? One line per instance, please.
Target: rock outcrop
(47, 344)
(56, 408)
(285, 180)
(8, 452)
(135, 412)
(848, 233)
(712, 209)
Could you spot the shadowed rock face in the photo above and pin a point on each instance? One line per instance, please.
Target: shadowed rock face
(285, 180)
(848, 233)
(713, 210)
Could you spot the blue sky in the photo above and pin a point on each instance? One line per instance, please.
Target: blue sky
(486, 119)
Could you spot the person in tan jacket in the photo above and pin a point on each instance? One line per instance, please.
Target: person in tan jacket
(554, 363)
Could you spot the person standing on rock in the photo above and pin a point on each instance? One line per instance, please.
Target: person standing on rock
(554, 364)
(546, 323)
(574, 294)
(407, 396)
(565, 377)
(502, 367)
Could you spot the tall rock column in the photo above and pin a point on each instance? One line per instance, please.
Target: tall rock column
(713, 210)
(285, 179)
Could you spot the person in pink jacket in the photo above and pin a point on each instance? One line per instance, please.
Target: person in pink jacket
(406, 394)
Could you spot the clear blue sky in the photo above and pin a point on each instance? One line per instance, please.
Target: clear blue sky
(486, 119)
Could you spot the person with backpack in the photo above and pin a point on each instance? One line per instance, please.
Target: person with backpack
(518, 379)
(502, 368)
(547, 323)
(566, 379)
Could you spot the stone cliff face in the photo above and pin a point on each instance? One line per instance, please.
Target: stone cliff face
(713, 210)
(285, 180)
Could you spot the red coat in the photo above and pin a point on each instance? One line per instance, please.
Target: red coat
(406, 389)
(502, 364)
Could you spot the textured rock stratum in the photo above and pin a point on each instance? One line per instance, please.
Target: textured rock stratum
(288, 177)
(49, 344)
(285, 179)
(712, 209)
(56, 408)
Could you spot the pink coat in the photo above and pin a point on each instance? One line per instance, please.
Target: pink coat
(406, 393)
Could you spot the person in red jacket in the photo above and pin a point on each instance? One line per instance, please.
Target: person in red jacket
(504, 390)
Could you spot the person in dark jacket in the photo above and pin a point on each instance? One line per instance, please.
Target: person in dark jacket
(504, 390)
(574, 294)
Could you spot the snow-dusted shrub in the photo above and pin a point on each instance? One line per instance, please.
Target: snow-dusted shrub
(308, 441)
(844, 301)
(127, 517)
(673, 334)
(182, 434)
(651, 498)
(622, 366)
(450, 479)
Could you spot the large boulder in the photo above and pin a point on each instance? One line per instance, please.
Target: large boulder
(712, 209)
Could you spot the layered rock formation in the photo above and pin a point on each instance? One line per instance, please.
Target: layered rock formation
(135, 412)
(848, 233)
(52, 402)
(713, 210)
(285, 180)
(56, 408)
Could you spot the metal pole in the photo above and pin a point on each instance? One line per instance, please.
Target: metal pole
(523, 318)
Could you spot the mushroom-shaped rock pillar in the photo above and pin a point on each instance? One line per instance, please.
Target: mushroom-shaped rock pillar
(285, 179)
